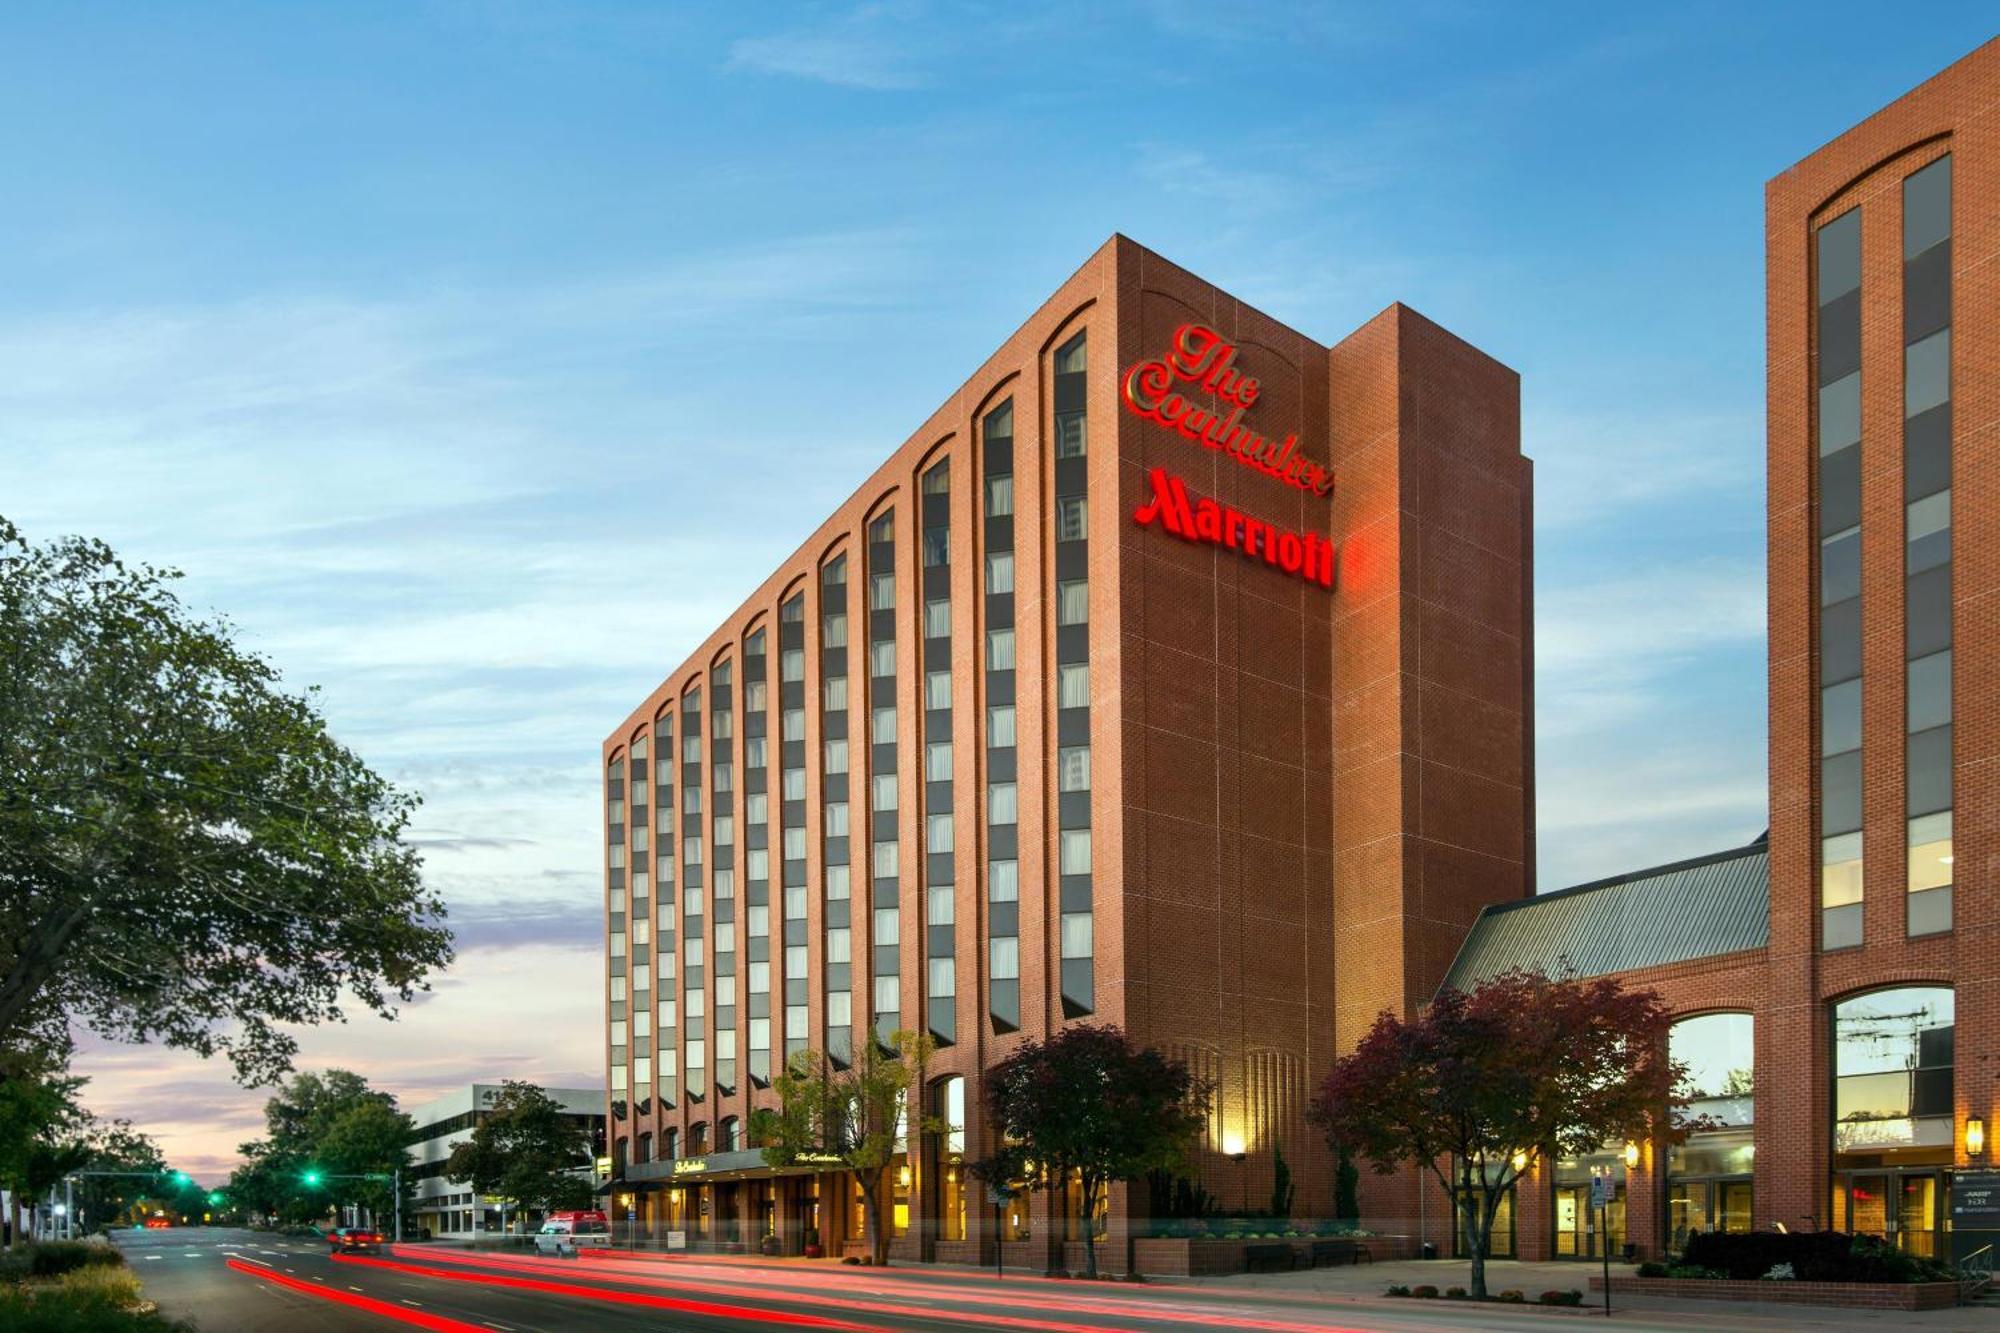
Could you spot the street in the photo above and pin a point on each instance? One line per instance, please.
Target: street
(232, 1281)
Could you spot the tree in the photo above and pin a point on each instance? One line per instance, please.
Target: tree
(1480, 1084)
(185, 854)
(370, 1139)
(331, 1122)
(859, 1116)
(115, 1146)
(41, 1124)
(1088, 1104)
(525, 1149)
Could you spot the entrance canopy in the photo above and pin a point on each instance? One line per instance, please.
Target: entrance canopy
(745, 1164)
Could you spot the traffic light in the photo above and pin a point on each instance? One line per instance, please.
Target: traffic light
(215, 1198)
(182, 1180)
(311, 1176)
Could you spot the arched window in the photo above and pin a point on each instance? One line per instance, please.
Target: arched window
(1893, 1108)
(725, 1135)
(697, 1139)
(1709, 1186)
(673, 1146)
(645, 1149)
(948, 1106)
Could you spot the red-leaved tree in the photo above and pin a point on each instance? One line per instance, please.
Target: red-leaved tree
(1480, 1084)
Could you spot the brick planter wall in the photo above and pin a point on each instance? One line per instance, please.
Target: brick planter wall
(1206, 1256)
(1854, 1295)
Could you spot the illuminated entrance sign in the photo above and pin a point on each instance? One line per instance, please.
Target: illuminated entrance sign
(1202, 357)
(1308, 555)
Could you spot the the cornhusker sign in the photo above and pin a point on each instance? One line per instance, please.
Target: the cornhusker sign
(1202, 357)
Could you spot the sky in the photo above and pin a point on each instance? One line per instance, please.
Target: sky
(476, 358)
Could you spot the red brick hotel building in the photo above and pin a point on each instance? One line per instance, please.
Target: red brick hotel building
(1177, 673)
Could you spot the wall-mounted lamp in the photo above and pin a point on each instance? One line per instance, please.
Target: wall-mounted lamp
(903, 1175)
(1975, 1136)
(1232, 1144)
(1520, 1162)
(1631, 1155)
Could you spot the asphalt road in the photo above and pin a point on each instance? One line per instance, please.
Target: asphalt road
(232, 1281)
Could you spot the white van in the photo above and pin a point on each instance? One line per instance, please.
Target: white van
(566, 1233)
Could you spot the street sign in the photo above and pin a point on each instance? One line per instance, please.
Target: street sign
(677, 1240)
(997, 1195)
(1600, 1191)
(1975, 1200)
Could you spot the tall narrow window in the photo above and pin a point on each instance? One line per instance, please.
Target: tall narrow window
(1071, 574)
(666, 1062)
(1003, 916)
(722, 870)
(1839, 449)
(1927, 603)
(836, 897)
(616, 926)
(940, 947)
(693, 899)
(885, 925)
(792, 817)
(757, 855)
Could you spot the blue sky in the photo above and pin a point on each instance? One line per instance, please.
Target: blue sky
(432, 341)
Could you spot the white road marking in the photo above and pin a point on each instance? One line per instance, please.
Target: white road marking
(408, 1301)
(502, 1327)
(155, 1258)
(253, 1259)
(352, 1287)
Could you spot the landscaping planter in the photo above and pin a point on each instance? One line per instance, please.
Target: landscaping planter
(1853, 1295)
(1207, 1256)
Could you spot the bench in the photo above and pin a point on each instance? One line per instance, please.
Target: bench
(1257, 1258)
(1340, 1252)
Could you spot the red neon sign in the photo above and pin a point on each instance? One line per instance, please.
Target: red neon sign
(1204, 358)
(1200, 519)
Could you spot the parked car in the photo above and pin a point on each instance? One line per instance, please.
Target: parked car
(353, 1240)
(566, 1233)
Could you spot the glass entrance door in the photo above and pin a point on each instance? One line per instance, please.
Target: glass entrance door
(1905, 1207)
(1580, 1229)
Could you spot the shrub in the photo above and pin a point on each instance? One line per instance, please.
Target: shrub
(55, 1257)
(1570, 1297)
(1652, 1268)
(1780, 1273)
(1512, 1296)
(1454, 1293)
(1814, 1256)
(1696, 1271)
(1397, 1289)
(1426, 1292)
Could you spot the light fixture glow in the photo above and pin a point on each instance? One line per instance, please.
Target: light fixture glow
(1520, 1161)
(1975, 1136)
(1232, 1143)
(1631, 1155)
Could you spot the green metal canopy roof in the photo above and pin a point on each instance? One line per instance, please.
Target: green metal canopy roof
(1710, 905)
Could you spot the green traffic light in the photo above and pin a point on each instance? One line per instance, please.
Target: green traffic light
(182, 1178)
(311, 1177)
(214, 1198)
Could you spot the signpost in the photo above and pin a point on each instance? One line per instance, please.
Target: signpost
(1600, 1199)
(998, 1196)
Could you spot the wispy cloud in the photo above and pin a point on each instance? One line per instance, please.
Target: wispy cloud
(874, 47)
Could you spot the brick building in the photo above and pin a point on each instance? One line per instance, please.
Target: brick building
(1838, 982)
(1174, 674)
(1236, 756)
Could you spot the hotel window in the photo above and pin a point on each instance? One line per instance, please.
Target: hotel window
(757, 854)
(1000, 489)
(939, 866)
(836, 895)
(949, 1153)
(1000, 726)
(792, 817)
(722, 886)
(999, 650)
(1709, 1174)
(885, 954)
(694, 997)
(1838, 375)
(1071, 573)
(666, 1062)
(1927, 565)
(999, 572)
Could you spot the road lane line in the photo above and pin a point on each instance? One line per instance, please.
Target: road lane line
(155, 1258)
(502, 1327)
(408, 1301)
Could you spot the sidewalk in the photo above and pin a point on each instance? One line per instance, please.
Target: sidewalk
(1366, 1283)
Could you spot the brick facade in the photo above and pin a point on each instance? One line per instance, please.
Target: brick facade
(1300, 797)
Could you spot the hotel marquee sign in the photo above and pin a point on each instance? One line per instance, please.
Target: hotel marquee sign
(1205, 359)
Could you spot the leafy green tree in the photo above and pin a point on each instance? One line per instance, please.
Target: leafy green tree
(1088, 1105)
(115, 1146)
(371, 1138)
(41, 1124)
(332, 1122)
(1481, 1083)
(186, 855)
(861, 1116)
(526, 1149)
